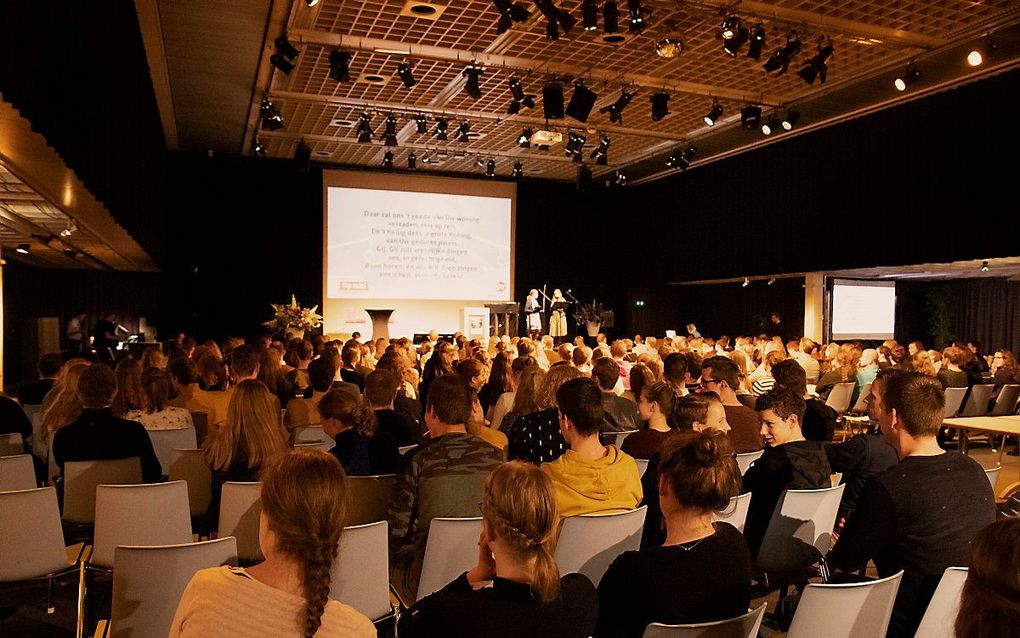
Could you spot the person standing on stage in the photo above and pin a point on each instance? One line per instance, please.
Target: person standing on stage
(558, 318)
(76, 334)
(533, 311)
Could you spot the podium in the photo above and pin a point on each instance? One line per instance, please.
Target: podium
(503, 318)
(380, 322)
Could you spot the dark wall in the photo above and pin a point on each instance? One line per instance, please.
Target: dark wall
(984, 309)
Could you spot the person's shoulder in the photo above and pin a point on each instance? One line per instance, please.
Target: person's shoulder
(339, 619)
(577, 588)
(213, 579)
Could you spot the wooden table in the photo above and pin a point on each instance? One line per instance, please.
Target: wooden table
(1009, 425)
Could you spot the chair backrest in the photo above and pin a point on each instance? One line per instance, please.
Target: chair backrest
(81, 478)
(153, 514)
(954, 399)
(39, 443)
(1006, 402)
(240, 508)
(164, 442)
(940, 616)
(617, 438)
(322, 446)
(839, 397)
(642, 466)
(860, 405)
(992, 473)
(11, 444)
(189, 466)
(589, 543)
(17, 473)
(33, 540)
(851, 610)
(368, 498)
(310, 434)
(745, 626)
(451, 549)
(745, 459)
(148, 583)
(836, 478)
(800, 531)
(361, 573)
(736, 513)
(201, 421)
(403, 449)
(977, 400)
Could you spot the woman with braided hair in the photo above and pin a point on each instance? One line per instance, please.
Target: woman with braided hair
(286, 595)
(520, 527)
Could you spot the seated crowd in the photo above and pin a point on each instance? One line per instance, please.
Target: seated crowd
(525, 435)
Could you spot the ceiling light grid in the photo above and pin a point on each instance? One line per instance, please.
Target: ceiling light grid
(935, 19)
(464, 24)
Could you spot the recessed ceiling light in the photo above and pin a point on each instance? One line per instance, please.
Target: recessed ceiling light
(343, 123)
(421, 10)
(323, 153)
(613, 38)
(373, 78)
(385, 51)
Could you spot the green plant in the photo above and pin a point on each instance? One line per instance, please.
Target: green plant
(938, 308)
(589, 312)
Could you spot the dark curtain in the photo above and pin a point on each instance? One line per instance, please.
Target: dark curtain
(987, 310)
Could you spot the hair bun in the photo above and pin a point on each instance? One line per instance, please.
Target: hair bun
(706, 451)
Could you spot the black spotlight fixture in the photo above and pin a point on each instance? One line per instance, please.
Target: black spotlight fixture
(340, 65)
(733, 44)
(610, 17)
(555, 16)
(637, 20)
(518, 169)
(673, 159)
(590, 15)
(412, 161)
(462, 132)
(680, 159)
(621, 178)
(771, 126)
(24, 248)
(780, 60)
(311, 3)
(365, 129)
(490, 168)
(984, 266)
(817, 67)
(911, 75)
(387, 161)
(442, 126)
(575, 145)
(690, 152)
(730, 26)
(714, 115)
(421, 124)
(750, 117)
(389, 136)
(285, 55)
(660, 105)
(519, 97)
(509, 12)
(601, 152)
(271, 118)
(258, 148)
(524, 139)
(552, 100)
(789, 120)
(581, 102)
(583, 178)
(303, 156)
(615, 110)
(473, 72)
(406, 75)
(757, 42)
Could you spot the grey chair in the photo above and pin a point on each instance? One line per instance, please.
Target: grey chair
(17, 473)
(745, 459)
(954, 399)
(310, 434)
(1005, 403)
(240, 509)
(977, 400)
(451, 549)
(190, 466)
(201, 422)
(941, 614)
(850, 610)
(368, 498)
(589, 543)
(736, 513)
(361, 573)
(840, 396)
(11, 444)
(745, 626)
(81, 478)
(145, 514)
(164, 442)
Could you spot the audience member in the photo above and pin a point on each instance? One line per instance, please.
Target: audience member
(641, 376)
(620, 415)
(13, 420)
(184, 378)
(990, 600)
(476, 426)
(520, 527)
(360, 447)
(719, 375)
(129, 394)
(766, 382)
(302, 517)
(841, 370)
(380, 393)
(405, 401)
(156, 412)
(920, 515)
(589, 477)
(536, 437)
(298, 357)
(951, 375)
(657, 407)
(65, 407)
(806, 357)
(504, 404)
(305, 411)
(244, 365)
(499, 382)
(580, 356)
(153, 357)
(439, 364)
(867, 368)
(675, 372)
(33, 392)
(271, 373)
(1004, 369)
(819, 419)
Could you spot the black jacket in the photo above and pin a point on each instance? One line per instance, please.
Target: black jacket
(97, 435)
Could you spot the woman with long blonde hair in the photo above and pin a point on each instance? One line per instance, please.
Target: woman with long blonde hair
(520, 529)
(129, 387)
(66, 407)
(303, 514)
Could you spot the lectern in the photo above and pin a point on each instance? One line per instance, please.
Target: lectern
(503, 318)
(380, 322)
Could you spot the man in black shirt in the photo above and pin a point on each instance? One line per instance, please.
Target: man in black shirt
(920, 515)
(380, 392)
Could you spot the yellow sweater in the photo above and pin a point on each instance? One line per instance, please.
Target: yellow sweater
(225, 601)
(604, 486)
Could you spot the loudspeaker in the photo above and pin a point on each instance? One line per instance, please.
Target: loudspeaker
(552, 101)
(581, 103)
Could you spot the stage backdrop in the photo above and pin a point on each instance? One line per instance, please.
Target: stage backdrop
(425, 246)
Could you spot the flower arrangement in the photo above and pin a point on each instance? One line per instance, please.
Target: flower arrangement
(589, 312)
(294, 316)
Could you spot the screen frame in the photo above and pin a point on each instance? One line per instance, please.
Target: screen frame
(830, 284)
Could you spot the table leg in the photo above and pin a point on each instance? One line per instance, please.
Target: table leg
(964, 442)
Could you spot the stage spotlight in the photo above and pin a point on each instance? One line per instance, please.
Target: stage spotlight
(772, 280)
(610, 17)
(575, 142)
(390, 133)
(621, 178)
(519, 97)
(583, 178)
(509, 13)
(581, 102)
(72, 228)
(271, 118)
(601, 153)
(406, 75)
(311, 3)
(524, 139)
(590, 14)
(791, 118)
(421, 124)
(615, 110)
(750, 117)
(555, 16)
(462, 132)
(676, 160)
(660, 105)
(733, 45)
(473, 72)
(518, 169)
(984, 266)
(552, 100)
(746, 283)
(637, 20)
(365, 129)
(771, 126)
(982, 52)
(412, 161)
(730, 25)
(780, 60)
(490, 168)
(817, 66)
(714, 114)
(387, 161)
(442, 126)
(757, 42)
(257, 148)
(911, 75)
(340, 65)
(23, 248)
(285, 55)
(690, 152)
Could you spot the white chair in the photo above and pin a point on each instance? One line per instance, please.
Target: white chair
(836, 478)
(404, 449)
(800, 531)
(1005, 403)
(240, 508)
(940, 616)
(368, 498)
(40, 445)
(617, 438)
(164, 442)
(11, 444)
(745, 626)
(851, 610)
(861, 406)
(361, 572)
(154, 514)
(839, 397)
(451, 549)
(321, 446)
(189, 466)
(745, 459)
(977, 400)
(589, 543)
(310, 434)
(148, 583)
(642, 466)
(736, 513)
(81, 478)
(17, 473)
(992, 473)
(954, 399)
